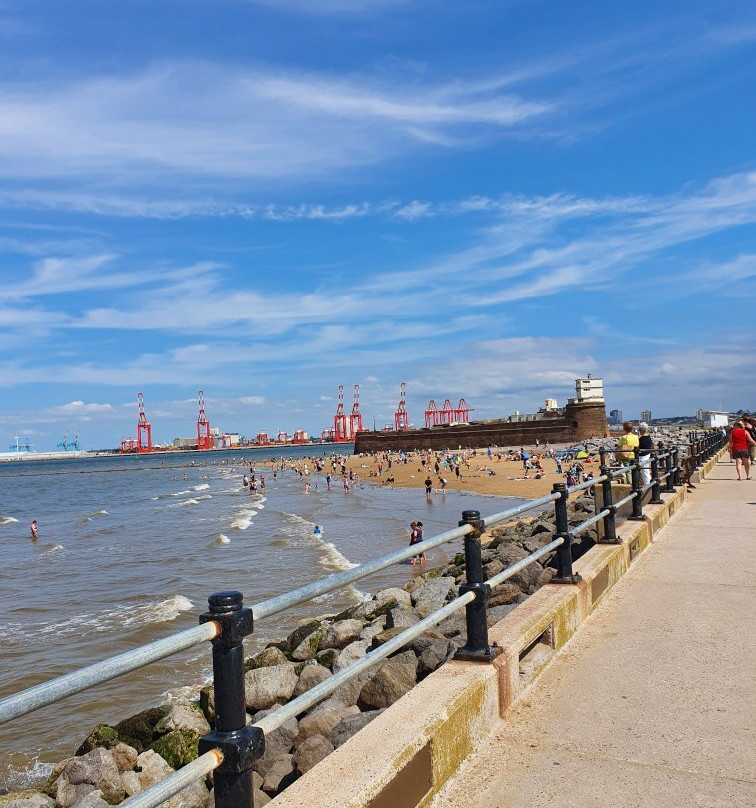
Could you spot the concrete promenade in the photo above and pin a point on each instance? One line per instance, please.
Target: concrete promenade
(652, 702)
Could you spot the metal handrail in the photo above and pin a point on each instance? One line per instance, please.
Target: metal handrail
(26, 701)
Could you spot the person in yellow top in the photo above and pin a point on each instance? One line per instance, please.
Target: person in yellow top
(626, 445)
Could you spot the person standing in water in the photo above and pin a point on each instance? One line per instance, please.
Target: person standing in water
(33, 530)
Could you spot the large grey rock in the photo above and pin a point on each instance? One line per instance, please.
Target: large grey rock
(434, 655)
(503, 594)
(260, 798)
(277, 743)
(431, 595)
(308, 648)
(384, 596)
(311, 751)
(300, 632)
(97, 768)
(280, 772)
(207, 702)
(131, 784)
(152, 769)
(351, 725)
(93, 800)
(373, 629)
(264, 687)
(67, 794)
(26, 799)
(311, 675)
(326, 657)
(183, 716)
(396, 677)
(401, 617)
(496, 613)
(322, 722)
(351, 653)
(342, 633)
(125, 756)
(266, 658)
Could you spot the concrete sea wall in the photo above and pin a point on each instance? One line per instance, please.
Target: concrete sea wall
(575, 423)
(406, 754)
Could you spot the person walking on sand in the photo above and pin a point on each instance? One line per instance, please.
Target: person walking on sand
(33, 530)
(740, 440)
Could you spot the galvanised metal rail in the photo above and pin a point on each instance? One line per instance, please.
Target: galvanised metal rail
(232, 747)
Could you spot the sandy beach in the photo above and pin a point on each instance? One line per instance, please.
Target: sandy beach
(474, 473)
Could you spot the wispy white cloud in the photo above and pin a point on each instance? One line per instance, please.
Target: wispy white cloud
(206, 120)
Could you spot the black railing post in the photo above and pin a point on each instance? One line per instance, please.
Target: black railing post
(240, 745)
(655, 492)
(610, 521)
(635, 476)
(669, 486)
(564, 575)
(477, 647)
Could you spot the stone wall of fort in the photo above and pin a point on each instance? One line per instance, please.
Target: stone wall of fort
(574, 423)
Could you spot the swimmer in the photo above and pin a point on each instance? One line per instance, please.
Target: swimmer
(317, 531)
(33, 530)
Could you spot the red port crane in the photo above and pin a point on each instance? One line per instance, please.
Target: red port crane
(432, 415)
(462, 412)
(144, 428)
(282, 437)
(355, 419)
(401, 416)
(340, 428)
(299, 436)
(327, 435)
(204, 439)
(446, 416)
(262, 439)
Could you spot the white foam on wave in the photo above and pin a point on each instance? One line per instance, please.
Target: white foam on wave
(190, 501)
(7, 520)
(243, 519)
(201, 487)
(222, 538)
(110, 620)
(331, 557)
(23, 777)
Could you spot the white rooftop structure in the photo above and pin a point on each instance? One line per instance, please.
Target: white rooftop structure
(589, 390)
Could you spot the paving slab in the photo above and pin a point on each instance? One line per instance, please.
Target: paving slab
(651, 703)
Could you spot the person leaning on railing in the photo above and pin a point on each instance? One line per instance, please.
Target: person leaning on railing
(645, 446)
(626, 445)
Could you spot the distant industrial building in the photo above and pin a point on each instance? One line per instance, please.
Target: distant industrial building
(713, 419)
(646, 416)
(615, 417)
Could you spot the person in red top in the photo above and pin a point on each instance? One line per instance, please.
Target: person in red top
(739, 443)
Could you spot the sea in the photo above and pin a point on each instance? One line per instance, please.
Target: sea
(130, 547)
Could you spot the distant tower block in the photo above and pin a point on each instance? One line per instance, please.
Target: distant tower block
(144, 428)
(432, 415)
(355, 419)
(401, 416)
(462, 412)
(204, 438)
(340, 426)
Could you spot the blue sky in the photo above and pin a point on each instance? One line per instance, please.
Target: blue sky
(268, 198)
